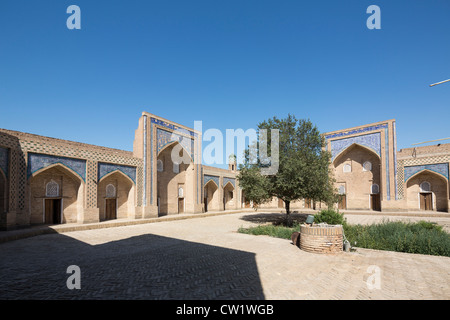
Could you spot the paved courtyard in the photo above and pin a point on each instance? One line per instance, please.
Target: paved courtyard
(205, 258)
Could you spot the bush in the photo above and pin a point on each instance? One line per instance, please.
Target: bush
(271, 230)
(329, 216)
(422, 237)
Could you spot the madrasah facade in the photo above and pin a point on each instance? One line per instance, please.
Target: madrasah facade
(52, 181)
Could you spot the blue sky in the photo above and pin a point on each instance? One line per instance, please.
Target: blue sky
(231, 64)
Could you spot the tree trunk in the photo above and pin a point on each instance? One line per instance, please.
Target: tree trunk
(287, 203)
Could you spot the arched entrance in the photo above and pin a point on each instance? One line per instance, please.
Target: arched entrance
(56, 195)
(428, 191)
(175, 181)
(211, 196)
(229, 200)
(359, 169)
(115, 196)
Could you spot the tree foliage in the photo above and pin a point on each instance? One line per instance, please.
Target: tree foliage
(303, 165)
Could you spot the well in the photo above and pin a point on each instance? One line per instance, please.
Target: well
(321, 238)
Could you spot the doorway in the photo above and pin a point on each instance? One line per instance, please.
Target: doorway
(280, 203)
(52, 211)
(375, 203)
(111, 209)
(180, 205)
(426, 202)
(342, 204)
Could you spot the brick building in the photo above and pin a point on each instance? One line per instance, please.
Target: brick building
(49, 181)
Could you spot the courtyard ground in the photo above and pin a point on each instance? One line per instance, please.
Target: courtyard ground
(182, 257)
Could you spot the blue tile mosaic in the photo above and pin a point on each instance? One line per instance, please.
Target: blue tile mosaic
(207, 178)
(38, 161)
(4, 159)
(106, 168)
(441, 168)
(361, 130)
(172, 127)
(226, 180)
(371, 141)
(164, 137)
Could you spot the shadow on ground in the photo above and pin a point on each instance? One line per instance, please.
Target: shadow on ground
(143, 267)
(275, 218)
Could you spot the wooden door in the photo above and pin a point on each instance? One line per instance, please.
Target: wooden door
(375, 202)
(110, 211)
(426, 201)
(280, 203)
(52, 211)
(342, 204)
(308, 203)
(180, 205)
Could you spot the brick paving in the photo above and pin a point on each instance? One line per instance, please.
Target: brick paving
(205, 258)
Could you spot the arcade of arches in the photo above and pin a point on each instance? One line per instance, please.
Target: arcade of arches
(50, 181)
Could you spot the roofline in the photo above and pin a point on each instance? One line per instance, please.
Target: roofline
(361, 126)
(145, 113)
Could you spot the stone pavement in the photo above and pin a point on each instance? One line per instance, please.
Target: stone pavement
(205, 258)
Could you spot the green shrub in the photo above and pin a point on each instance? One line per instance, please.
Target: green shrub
(271, 230)
(329, 216)
(422, 237)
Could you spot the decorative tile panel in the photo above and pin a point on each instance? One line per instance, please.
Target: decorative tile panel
(226, 180)
(371, 141)
(355, 131)
(441, 168)
(105, 168)
(172, 126)
(165, 137)
(39, 161)
(207, 178)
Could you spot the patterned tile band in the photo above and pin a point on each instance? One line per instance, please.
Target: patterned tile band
(105, 168)
(172, 127)
(371, 141)
(38, 161)
(441, 168)
(366, 129)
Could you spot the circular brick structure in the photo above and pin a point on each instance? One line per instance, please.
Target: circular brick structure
(321, 238)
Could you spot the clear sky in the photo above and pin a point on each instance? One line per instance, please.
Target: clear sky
(231, 64)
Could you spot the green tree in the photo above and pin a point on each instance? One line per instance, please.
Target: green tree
(303, 165)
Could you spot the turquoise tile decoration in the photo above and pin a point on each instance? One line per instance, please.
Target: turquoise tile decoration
(37, 161)
(106, 168)
(441, 168)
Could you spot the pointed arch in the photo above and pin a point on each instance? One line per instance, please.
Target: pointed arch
(114, 172)
(211, 192)
(427, 171)
(171, 145)
(353, 145)
(65, 206)
(228, 183)
(61, 166)
(434, 199)
(116, 196)
(211, 180)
